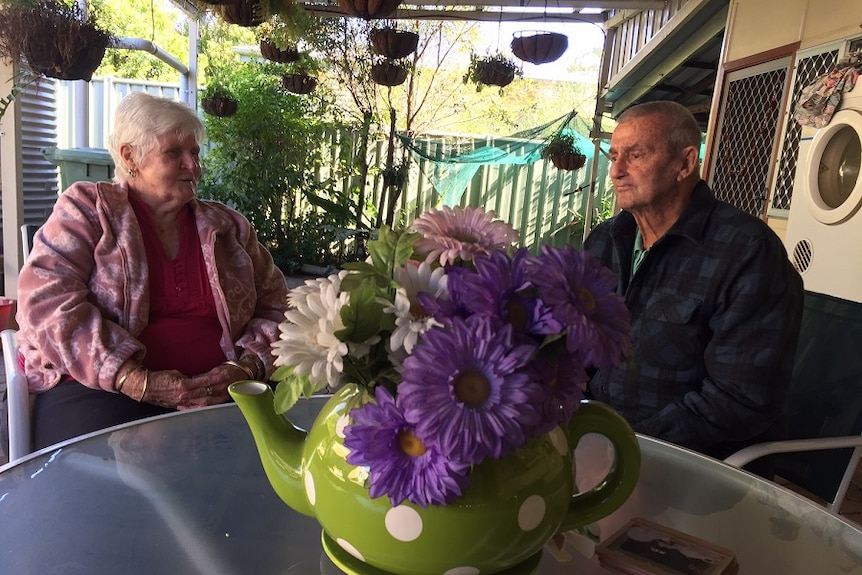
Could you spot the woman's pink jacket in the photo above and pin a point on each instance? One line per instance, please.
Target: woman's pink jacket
(84, 290)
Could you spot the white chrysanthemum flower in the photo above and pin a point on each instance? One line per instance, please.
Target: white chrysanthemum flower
(307, 340)
(411, 321)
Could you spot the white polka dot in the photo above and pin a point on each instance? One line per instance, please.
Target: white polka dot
(310, 492)
(403, 523)
(350, 549)
(559, 441)
(462, 571)
(531, 513)
(340, 425)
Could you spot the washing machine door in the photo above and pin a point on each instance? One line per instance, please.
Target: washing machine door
(834, 185)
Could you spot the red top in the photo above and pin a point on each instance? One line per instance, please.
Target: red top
(183, 332)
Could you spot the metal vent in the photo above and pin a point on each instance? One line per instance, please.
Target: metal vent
(747, 138)
(807, 70)
(802, 253)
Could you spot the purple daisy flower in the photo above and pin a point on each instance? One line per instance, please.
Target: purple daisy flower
(400, 464)
(499, 287)
(580, 293)
(467, 392)
(564, 379)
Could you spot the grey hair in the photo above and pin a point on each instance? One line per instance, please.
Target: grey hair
(140, 119)
(681, 129)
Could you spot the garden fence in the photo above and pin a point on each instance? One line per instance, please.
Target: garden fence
(545, 204)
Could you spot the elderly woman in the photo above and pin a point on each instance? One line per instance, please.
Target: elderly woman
(138, 298)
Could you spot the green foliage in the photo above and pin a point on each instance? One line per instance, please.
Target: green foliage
(388, 252)
(156, 21)
(563, 142)
(500, 66)
(218, 84)
(263, 160)
(293, 388)
(287, 27)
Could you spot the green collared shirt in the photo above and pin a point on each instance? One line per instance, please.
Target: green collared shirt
(639, 252)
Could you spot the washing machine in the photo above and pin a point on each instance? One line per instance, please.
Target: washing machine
(824, 228)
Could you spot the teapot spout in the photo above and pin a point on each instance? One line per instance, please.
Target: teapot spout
(279, 443)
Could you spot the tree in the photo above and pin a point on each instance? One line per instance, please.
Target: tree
(263, 157)
(159, 22)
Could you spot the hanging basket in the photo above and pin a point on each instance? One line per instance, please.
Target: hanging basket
(539, 47)
(393, 43)
(56, 40)
(568, 161)
(389, 73)
(273, 53)
(494, 74)
(369, 9)
(299, 83)
(77, 63)
(221, 106)
(247, 13)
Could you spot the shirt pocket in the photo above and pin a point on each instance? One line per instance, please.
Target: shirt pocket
(670, 335)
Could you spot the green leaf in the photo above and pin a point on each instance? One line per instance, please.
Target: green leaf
(290, 388)
(391, 249)
(364, 272)
(362, 315)
(329, 206)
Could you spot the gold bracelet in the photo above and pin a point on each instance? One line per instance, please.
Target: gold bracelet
(146, 381)
(244, 369)
(119, 385)
(259, 368)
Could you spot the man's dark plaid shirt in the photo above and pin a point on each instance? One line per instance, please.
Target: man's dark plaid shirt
(715, 308)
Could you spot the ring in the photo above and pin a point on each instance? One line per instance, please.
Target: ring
(209, 390)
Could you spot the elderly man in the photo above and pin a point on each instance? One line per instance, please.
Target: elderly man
(715, 303)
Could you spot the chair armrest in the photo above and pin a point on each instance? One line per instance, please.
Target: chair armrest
(17, 399)
(752, 452)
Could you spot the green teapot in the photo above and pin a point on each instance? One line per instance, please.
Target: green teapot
(500, 523)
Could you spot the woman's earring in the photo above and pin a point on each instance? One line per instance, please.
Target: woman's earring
(132, 172)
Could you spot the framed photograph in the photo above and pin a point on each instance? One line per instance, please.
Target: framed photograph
(643, 547)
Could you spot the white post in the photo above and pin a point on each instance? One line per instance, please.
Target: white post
(11, 185)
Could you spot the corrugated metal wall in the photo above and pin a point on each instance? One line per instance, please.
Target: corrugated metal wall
(38, 130)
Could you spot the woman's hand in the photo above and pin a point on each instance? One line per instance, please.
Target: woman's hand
(173, 389)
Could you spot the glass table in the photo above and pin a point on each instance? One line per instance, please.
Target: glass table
(185, 493)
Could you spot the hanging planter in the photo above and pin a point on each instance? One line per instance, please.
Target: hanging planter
(563, 151)
(271, 52)
(393, 43)
(217, 98)
(539, 47)
(496, 70)
(369, 9)
(389, 73)
(299, 83)
(56, 40)
(247, 13)
(219, 105)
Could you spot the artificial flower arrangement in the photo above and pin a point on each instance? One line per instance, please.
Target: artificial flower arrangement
(466, 347)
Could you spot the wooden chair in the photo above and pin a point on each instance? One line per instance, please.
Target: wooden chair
(821, 433)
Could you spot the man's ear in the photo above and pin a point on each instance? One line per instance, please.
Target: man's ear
(689, 163)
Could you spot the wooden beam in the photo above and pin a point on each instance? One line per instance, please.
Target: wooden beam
(464, 15)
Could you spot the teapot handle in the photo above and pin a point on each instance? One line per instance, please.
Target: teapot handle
(611, 492)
